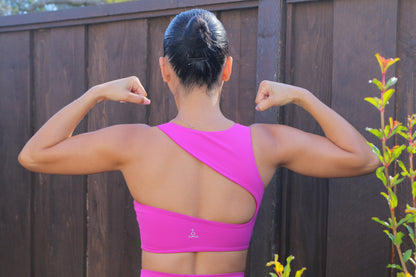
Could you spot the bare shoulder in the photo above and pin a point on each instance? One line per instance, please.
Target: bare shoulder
(275, 142)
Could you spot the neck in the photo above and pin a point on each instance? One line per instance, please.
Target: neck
(199, 108)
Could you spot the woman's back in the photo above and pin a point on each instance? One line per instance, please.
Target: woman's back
(166, 176)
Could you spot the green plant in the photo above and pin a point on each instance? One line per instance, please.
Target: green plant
(283, 271)
(395, 227)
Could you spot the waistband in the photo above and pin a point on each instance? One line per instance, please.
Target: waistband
(150, 273)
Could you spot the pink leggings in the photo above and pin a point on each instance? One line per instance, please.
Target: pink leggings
(149, 273)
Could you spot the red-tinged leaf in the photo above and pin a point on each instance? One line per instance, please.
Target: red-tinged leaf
(411, 150)
(387, 95)
(377, 83)
(390, 62)
(391, 82)
(381, 61)
(375, 101)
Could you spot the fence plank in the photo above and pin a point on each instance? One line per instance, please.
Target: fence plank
(406, 86)
(115, 50)
(59, 201)
(229, 99)
(268, 55)
(306, 199)
(163, 106)
(15, 189)
(352, 202)
(239, 93)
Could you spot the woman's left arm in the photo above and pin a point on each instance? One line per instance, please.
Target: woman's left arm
(53, 149)
(341, 152)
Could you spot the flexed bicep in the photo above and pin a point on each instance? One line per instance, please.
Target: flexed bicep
(103, 150)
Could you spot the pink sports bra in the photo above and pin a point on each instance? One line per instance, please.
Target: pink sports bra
(228, 152)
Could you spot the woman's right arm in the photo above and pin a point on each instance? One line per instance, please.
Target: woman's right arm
(342, 152)
(53, 149)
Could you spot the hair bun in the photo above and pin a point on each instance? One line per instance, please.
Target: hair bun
(197, 33)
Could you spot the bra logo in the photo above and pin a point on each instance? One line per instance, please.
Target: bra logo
(193, 235)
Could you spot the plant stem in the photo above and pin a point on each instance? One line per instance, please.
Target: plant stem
(388, 184)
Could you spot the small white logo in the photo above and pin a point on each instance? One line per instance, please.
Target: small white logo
(193, 235)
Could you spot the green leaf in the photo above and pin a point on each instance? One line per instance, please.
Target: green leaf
(272, 274)
(391, 82)
(414, 189)
(387, 95)
(375, 101)
(393, 198)
(390, 235)
(375, 132)
(397, 151)
(375, 151)
(381, 176)
(286, 270)
(403, 167)
(411, 232)
(399, 238)
(407, 255)
(378, 220)
(395, 180)
(300, 272)
(385, 196)
(377, 83)
(395, 266)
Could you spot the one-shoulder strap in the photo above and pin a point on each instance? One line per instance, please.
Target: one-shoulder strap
(229, 152)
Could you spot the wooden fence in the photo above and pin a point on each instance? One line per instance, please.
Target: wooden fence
(85, 225)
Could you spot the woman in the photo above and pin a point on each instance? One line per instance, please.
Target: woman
(198, 222)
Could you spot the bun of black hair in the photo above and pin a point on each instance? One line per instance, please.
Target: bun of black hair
(196, 45)
(197, 34)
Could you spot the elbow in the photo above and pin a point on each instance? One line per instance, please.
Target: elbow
(26, 160)
(368, 164)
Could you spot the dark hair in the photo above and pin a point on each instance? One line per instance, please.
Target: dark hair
(196, 46)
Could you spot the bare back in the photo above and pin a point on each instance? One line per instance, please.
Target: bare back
(166, 176)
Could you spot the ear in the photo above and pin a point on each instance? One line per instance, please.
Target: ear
(164, 68)
(227, 69)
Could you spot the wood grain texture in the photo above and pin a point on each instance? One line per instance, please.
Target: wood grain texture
(270, 15)
(405, 96)
(15, 186)
(356, 245)
(270, 49)
(163, 107)
(59, 201)
(305, 199)
(115, 50)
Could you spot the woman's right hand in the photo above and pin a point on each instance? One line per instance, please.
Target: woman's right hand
(124, 90)
(273, 94)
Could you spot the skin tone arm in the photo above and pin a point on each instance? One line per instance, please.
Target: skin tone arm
(54, 150)
(342, 152)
